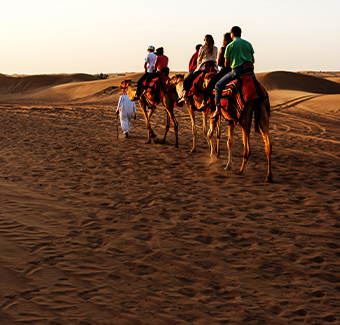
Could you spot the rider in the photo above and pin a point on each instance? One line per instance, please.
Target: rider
(206, 61)
(148, 68)
(238, 52)
(192, 65)
(223, 71)
(160, 63)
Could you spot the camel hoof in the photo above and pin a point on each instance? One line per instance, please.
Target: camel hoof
(176, 145)
(163, 141)
(213, 160)
(193, 150)
(238, 172)
(229, 168)
(153, 135)
(269, 179)
(148, 141)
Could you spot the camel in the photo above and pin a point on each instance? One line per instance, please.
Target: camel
(261, 127)
(193, 103)
(145, 101)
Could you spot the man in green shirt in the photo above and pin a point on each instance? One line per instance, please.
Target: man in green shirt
(238, 52)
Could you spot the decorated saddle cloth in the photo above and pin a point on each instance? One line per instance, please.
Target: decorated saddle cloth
(197, 87)
(240, 91)
(158, 87)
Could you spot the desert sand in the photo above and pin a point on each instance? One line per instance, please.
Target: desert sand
(99, 229)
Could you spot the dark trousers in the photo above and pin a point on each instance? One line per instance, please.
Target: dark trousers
(189, 79)
(208, 94)
(140, 82)
(150, 77)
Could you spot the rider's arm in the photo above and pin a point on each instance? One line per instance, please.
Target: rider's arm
(227, 62)
(156, 64)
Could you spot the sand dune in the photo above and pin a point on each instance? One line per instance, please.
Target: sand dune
(99, 229)
(31, 83)
(285, 80)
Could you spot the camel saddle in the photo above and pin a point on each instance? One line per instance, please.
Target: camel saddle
(159, 86)
(240, 91)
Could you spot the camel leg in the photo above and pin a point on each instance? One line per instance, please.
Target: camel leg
(246, 152)
(268, 147)
(218, 136)
(175, 124)
(230, 145)
(264, 129)
(204, 116)
(167, 126)
(213, 156)
(245, 124)
(171, 116)
(168, 103)
(151, 110)
(194, 130)
(147, 116)
(142, 105)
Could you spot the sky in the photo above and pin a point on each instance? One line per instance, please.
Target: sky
(110, 36)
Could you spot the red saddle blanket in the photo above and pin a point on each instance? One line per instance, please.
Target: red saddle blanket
(240, 91)
(197, 87)
(158, 87)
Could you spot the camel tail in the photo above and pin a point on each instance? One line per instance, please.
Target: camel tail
(257, 115)
(261, 118)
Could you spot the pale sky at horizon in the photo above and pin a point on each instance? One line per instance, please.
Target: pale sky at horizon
(93, 36)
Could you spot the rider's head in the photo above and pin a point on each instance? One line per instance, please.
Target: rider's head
(236, 31)
(151, 48)
(227, 39)
(159, 51)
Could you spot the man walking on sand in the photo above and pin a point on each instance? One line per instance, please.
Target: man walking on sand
(126, 109)
(238, 52)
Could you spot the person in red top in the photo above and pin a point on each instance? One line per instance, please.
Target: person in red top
(160, 63)
(193, 60)
(192, 64)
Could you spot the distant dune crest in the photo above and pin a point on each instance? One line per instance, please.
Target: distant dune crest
(84, 87)
(284, 80)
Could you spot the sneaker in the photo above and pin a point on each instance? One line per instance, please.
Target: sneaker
(217, 112)
(203, 107)
(183, 97)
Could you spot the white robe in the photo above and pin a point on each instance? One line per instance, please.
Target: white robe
(126, 109)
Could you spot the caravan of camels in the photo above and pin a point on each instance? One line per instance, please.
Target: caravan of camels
(242, 98)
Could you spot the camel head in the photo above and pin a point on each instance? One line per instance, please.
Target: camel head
(127, 84)
(177, 81)
(207, 78)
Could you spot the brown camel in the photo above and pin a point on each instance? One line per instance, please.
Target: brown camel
(145, 101)
(193, 103)
(261, 127)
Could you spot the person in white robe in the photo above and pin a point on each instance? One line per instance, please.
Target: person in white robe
(126, 109)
